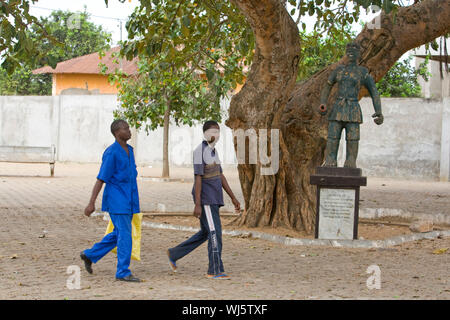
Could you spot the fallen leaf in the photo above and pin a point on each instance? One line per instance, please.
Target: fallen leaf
(440, 251)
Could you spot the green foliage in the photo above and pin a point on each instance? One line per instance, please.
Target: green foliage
(23, 82)
(78, 35)
(177, 40)
(180, 35)
(17, 44)
(402, 80)
(333, 16)
(191, 53)
(189, 96)
(319, 51)
(188, 34)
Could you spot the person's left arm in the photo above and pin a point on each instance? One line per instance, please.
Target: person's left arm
(369, 83)
(226, 187)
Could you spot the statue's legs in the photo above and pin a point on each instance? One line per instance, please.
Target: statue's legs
(334, 135)
(352, 142)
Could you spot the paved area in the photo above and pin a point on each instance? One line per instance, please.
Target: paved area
(29, 185)
(43, 231)
(72, 185)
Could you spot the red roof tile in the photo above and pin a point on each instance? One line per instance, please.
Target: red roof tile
(89, 64)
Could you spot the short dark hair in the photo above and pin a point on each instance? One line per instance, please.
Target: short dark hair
(208, 124)
(115, 125)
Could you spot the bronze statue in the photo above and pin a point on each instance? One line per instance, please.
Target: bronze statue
(346, 111)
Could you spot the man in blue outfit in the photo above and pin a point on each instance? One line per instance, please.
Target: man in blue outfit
(120, 199)
(208, 198)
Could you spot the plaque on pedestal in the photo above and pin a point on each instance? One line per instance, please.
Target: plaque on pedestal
(337, 202)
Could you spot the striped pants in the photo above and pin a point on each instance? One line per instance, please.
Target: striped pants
(211, 230)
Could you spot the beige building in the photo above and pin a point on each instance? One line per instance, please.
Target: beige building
(82, 75)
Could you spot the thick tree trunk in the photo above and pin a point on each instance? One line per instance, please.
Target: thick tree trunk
(269, 83)
(165, 172)
(269, 100)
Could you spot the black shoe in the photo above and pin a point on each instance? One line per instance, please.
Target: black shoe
(129, 278)
(87, 262)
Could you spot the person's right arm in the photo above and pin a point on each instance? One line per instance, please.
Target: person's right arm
(198, 196)
(95, 191)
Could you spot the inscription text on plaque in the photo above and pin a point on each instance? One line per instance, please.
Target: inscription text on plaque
(336, 213)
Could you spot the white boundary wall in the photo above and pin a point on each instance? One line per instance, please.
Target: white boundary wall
(413, 141)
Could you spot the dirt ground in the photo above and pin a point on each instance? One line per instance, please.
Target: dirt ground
(43, 231)
(34, 267)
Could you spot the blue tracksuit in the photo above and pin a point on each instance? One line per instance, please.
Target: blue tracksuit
(121, 200)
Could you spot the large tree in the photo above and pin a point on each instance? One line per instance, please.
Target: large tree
(271, 98)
